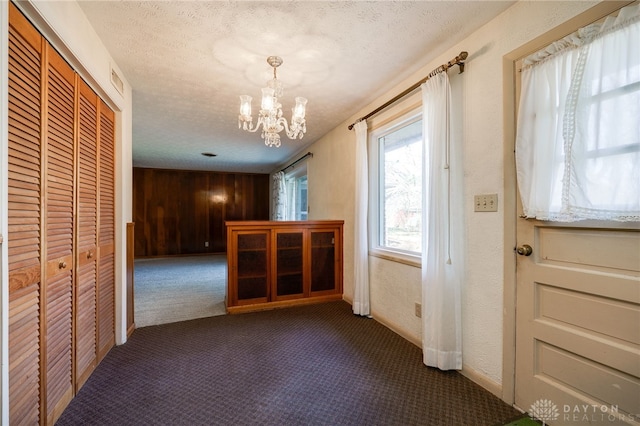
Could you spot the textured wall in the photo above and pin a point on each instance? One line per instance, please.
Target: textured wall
(478, 92)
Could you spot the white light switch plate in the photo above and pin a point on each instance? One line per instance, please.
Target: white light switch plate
(485, 203)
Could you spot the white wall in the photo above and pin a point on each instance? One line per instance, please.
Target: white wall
(395, 287)
(82, 48)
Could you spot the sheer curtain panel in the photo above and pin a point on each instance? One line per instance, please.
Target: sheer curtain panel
(578, 135)
(443, 224)
(279, 197)
(361, 305)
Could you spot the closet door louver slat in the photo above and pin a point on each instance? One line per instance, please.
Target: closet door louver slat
(106, 231)
(87, 228)
(61, 228)
(24, 217)
(59, 211)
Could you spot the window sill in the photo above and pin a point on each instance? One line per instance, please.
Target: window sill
(394, 256)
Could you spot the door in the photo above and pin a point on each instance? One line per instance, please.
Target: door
(326, 262)
(578, 323)
(249, 267)
(288, 265)
(24, 217)
(578, 284)
(57, 292)
(105, 291)
(86, 245)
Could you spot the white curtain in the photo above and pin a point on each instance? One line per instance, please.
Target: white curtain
(361, 305)
(443, 224)
(292, 192)
(279, 197)
(578, 136)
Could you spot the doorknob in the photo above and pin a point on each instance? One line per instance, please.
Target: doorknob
(524, 250)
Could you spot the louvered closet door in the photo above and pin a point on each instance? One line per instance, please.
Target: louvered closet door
(86, 248)
(59, 228)
(106, 231)
(24, 239)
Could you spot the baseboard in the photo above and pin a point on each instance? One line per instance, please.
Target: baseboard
(266, 306)
(470, 373)
(482, 380)
(393, 327)
(130, 330)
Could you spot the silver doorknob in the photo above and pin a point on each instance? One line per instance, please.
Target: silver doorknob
(524, 250)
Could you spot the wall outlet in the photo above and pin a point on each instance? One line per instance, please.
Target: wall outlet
(419, 310)
(485, 203)
(206, 243)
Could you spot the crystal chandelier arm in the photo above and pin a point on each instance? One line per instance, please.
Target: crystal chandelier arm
(248, 125)
(297, 129)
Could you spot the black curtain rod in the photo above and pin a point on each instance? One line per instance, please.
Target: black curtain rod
(298, 160)
(458, 60)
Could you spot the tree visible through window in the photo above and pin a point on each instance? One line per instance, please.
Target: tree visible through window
(400, 188)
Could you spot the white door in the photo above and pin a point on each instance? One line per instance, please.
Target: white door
(578, 303)
(578, 323)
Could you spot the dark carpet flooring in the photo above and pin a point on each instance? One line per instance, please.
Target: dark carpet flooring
(311, 365)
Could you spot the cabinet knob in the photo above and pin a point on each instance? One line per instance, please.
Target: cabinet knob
(89, 255)
(62, 265)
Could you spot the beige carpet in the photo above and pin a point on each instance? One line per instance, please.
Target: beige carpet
(172, 289)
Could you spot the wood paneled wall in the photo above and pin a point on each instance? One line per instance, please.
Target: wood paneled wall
(177, 212)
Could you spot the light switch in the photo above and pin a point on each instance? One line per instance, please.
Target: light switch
(486, 203)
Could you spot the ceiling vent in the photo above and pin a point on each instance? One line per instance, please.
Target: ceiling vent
(117, 81)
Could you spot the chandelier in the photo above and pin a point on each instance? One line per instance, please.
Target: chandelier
(270, 116)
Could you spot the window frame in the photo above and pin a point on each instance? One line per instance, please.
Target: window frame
(376, 249)
(297, 174)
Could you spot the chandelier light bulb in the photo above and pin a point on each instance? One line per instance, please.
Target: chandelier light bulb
(245, 106)
(267, 99)
(299, 109)
(270, 117)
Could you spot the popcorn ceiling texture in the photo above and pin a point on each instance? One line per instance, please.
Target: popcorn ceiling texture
(188, 62)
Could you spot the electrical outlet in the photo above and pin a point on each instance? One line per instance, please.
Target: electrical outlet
(485, 203)
(419, 310)
(206, 243)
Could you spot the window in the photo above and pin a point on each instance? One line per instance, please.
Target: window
(296, 183)
(396, 186)
(578, 138)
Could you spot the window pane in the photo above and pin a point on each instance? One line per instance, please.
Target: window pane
(301, 199)
(401, 188)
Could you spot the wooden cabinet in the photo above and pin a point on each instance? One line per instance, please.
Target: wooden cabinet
(274, 264)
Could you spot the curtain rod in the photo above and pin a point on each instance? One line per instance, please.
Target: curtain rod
(458, 60)
(298, 160)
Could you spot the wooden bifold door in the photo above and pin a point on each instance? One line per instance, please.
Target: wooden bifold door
(61, 228)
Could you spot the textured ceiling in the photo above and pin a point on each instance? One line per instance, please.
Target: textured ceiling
(188, 62)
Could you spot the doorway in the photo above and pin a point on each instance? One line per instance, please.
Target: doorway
(179, 288)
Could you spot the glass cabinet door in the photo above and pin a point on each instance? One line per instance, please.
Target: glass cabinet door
(289, 264)
(253, 269)
(323, 261)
